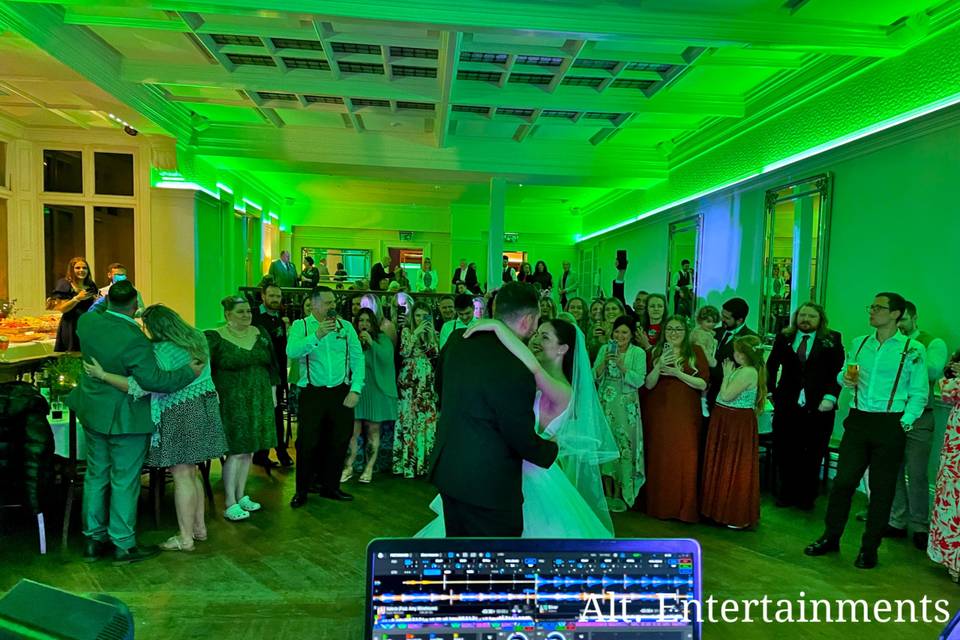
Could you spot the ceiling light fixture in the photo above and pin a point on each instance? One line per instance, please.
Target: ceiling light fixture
(188, 186)
(253, 204)
(224, 187)
(780, 164)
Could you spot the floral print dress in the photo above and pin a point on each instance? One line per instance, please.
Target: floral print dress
(416, 426)
(944, 544)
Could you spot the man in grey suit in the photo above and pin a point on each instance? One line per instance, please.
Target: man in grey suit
(283, 272)
(568, 285)
(117, 426)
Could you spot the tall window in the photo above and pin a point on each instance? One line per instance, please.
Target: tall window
(89, 210)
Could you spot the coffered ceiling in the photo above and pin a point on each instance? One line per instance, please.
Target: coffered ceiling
(342, 100)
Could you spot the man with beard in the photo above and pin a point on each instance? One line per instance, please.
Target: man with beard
(269, 316)
(802, 381)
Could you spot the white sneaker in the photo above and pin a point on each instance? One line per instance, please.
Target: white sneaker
(235, 512)
(248, 505)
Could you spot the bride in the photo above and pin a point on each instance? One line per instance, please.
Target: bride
(566, 500)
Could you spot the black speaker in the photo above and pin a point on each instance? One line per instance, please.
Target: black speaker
(34, 610)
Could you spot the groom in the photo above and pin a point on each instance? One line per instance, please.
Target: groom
(487, 425)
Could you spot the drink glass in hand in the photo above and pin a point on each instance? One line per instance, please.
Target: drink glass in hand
(853, 373)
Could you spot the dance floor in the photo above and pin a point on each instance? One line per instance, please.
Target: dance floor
(300, 574)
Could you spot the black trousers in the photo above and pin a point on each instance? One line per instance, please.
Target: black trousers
(877, 441)
(324, 427)
(279, 425)
(464, 520)
(801, 438)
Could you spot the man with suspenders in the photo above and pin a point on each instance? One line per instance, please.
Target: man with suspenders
(887, 372)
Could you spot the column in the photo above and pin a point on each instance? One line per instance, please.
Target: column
(802, 252)
(498, 200)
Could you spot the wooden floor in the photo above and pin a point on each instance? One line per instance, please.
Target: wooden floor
(300, 574)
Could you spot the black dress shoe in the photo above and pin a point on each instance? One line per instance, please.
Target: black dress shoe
(822, 547)
(894, 532)
(920, 540)
(298, 500)
(865, 560)
(336, 494)
(284, 458)
(264, 461)
(93, 550)
(134, 554)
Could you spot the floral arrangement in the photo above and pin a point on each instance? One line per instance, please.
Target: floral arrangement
(61, 375)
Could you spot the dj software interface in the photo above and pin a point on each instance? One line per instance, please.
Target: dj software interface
(569, 595)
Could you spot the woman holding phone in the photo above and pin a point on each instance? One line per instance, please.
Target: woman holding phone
(620, 369)
(417, 415)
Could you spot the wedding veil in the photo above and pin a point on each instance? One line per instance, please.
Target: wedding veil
(584, 438)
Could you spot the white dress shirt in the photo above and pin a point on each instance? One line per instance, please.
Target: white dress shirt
(936, 361)
(879, 363)
(329, 357)
(796, 348)
(452, 325)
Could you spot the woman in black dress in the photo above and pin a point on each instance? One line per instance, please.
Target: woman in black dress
(74, 294)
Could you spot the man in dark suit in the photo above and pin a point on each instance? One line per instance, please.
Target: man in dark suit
(283, 272)
(380, 272)
(117, 426)
(733, 318)
(269, 316)
(487, 426)
(807, 355)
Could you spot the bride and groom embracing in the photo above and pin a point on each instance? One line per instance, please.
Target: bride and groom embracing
(522, 434)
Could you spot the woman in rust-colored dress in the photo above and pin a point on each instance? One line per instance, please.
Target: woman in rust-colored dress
(678, 372)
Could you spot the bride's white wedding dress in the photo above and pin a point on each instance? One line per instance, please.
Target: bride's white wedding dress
(552, 506)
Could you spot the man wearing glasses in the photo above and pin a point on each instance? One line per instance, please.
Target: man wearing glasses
(887, 372)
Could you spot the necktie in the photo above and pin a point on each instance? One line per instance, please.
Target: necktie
(725, 338)
(802, 349)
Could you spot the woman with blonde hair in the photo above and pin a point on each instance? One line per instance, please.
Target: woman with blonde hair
(731, 466)
(188, 425)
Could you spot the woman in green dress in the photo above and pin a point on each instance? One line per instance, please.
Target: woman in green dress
(378, 400)
(245, 373)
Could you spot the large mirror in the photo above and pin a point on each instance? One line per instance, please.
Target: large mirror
(682, 251)
(339, 265)
(795, 247)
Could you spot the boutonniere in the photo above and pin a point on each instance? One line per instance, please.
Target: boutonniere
(827, 343)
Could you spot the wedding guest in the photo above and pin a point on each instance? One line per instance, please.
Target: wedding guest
(548, 309)
(887, 372)
(331, 378)
(310, 276)
(386, 325)
(509, 273)
(116, 272)
(526, 273)
(733, 324)
(944, 543)
(704, 334)
(283, 272)
(381, 275)
(464, 318)
(270, 317)
(401, 279)
(460, 273)
(445, 312)
(911, 503)
(471, 282)
(655, 312)
(293, 402)
(427, 278)
(73, 296)
(117, 428)
(569, 283)
(802, 380)
(596, 311)
(577, 307)
(245, 373)
(541, 276)
(378, 401)
(341, 275)
(417, 414)
(730, 491)
(620, 370)
(187, 422)
(678, 372)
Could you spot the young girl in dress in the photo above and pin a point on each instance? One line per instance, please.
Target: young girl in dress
(731, 467)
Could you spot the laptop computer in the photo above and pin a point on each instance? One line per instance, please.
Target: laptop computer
(529, 589)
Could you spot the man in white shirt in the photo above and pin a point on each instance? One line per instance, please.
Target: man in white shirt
(463, 306)
(911, 505)
(887, 372)
(331, 378)
(568, 285)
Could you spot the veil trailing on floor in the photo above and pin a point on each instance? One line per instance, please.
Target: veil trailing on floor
(584, 439)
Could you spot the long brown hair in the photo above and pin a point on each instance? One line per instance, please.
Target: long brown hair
(749, 348)
(687, 353)
(72, 279)
(822, 331)
(166, 325)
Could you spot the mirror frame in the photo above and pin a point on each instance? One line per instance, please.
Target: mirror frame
(822, 184)
(676, 227)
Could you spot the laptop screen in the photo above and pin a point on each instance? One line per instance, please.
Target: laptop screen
(523, 589)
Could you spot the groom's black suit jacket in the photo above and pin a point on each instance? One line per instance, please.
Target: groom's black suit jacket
(486, 426)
